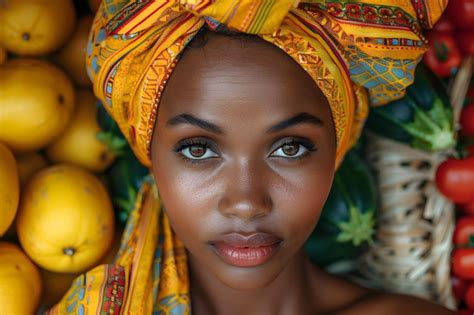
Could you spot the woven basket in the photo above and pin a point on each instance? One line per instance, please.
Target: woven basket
(413, 244)
(412, 251)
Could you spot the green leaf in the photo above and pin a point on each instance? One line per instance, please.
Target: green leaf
(359, 228)
(126, 206)
(432, 130)
(114, 143)
(471, 240)
(442, 51)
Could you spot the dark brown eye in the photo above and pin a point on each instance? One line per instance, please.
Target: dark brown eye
(290, 149)
(197, 150)
(293, 148)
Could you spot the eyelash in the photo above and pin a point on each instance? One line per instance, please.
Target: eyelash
(184, 144)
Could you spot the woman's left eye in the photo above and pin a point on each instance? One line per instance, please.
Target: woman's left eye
(291, 150)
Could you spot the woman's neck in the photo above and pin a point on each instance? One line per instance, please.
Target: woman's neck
(289, 293)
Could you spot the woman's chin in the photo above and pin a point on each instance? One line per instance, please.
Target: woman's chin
(247, 278)
(244, 276)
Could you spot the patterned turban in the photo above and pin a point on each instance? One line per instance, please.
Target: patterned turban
(349, 48)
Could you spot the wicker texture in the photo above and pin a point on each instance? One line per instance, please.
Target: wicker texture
(413, 244)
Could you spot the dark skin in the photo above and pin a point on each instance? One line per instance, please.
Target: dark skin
(244, 142)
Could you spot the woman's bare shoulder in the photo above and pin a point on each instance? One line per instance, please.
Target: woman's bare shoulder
(392, 304)
(337, 296)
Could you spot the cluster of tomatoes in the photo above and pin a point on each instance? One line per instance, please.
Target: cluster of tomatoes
(455, 179)
(452, 38)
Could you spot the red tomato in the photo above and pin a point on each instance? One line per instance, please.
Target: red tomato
(444, 25)
(463, 312)
(470, 150)
(467, 119)
(468, 208)
(464, 230)
(470, 92)
(455, 179)
(443, 56)
(459, 287)
(469, 297)
(461, 13)
(465, 40)
(463, 263)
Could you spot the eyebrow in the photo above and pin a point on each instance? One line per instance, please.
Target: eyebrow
(192, 120)
(302, 118)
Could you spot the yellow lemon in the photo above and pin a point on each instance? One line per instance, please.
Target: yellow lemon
(36, 27)
(82, 133)
(29, 164)
(72, 57)
(20, 287)
(9, 188)
(37, 102)
(65, 222)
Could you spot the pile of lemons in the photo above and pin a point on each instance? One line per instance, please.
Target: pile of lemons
(56, 216)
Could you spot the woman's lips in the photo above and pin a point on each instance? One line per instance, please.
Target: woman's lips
(246, 250)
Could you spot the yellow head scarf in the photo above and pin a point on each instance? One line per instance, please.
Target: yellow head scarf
(344, 46)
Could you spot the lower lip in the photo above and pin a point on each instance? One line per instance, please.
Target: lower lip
(245, 257)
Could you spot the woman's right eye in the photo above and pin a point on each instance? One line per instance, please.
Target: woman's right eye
(194, 150)
(198, 152)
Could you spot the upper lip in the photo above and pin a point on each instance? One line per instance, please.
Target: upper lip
(257, 239)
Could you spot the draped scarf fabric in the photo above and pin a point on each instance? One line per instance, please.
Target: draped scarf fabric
(356, 52)
(149, 274)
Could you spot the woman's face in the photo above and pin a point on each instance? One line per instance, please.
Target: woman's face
(243, 154)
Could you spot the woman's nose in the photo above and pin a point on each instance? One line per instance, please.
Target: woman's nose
(246, 194)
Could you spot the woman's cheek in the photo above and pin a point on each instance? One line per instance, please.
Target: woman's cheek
(182, 212)
(300, 204)
(187, 198)
(302, 218)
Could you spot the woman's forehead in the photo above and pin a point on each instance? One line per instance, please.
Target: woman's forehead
(249, 74)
